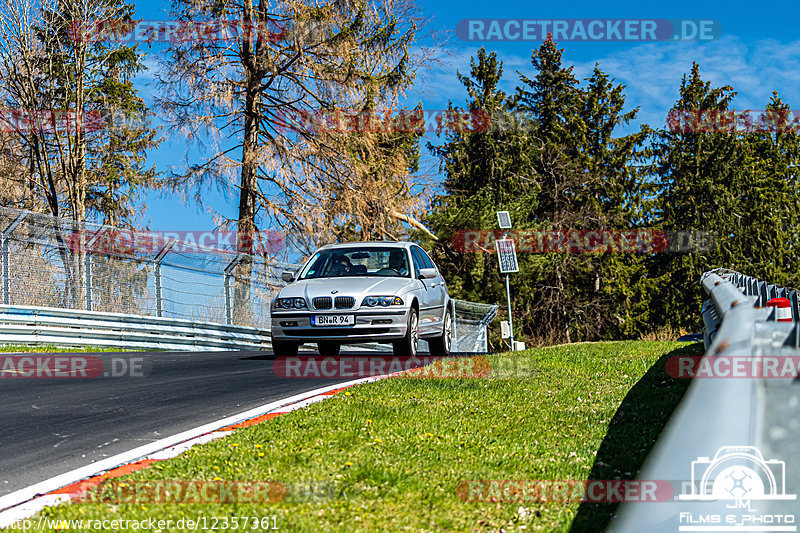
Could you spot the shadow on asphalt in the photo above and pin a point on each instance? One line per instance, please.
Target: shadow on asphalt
(632, 433)
(265, 357)
(271, 357)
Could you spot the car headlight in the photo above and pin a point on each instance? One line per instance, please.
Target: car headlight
(290, 303)
(383, 301)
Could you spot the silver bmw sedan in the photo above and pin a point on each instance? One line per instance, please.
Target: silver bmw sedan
(385, 292)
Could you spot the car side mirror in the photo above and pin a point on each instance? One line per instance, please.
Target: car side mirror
(288, 277)
(427, 273)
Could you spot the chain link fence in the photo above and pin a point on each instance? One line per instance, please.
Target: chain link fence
(58, 262)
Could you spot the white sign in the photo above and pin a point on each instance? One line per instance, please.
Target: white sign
(506, 256)
(504, 219)
(505, 330)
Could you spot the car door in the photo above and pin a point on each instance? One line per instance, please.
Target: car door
(439, 290)
(431, 297)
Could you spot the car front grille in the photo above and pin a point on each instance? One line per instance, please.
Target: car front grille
(322, 302)
(344, 302)
(336, 332)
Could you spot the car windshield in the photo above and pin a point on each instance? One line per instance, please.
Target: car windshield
(367, 261)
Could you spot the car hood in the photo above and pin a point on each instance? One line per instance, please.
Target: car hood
(357, 287)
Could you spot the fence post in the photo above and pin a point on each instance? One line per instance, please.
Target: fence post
(228, 273)
(4, 251)
(157, 261)
(87, 265)
(87, 271)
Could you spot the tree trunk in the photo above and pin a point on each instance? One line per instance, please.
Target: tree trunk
(247, 196)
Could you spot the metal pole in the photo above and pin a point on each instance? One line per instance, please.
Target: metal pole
(162, 253)
(228, 299)
(228, 273)
(87, 270)
(159, 294)
(510, 323)
(6, 274)
(508, 300)
(5, 252)
(87, 263)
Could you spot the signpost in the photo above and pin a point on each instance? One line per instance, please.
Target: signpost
(507, 259)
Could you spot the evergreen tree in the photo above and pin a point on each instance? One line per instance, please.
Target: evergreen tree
(700, 184)
(560, 168)
(485, 171)
(587, 181)
(767, 217)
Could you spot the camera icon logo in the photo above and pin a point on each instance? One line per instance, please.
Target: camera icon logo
(738, 473)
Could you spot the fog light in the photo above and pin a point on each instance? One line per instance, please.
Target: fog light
(382, 321)
(290, 324)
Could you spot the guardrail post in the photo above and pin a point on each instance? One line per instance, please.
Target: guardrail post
(228, 273)
(157, 273)
(4, 251)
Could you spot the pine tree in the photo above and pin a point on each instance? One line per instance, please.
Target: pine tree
(484, 172)
(700, 182)
(768, 208)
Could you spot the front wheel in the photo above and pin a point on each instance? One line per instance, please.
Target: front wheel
(284, 348)
(441, 345)
(408, 346)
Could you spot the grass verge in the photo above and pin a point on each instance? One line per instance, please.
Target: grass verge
(389, 455)
(12, 348)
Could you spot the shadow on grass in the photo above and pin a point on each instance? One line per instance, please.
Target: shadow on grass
(632, 433)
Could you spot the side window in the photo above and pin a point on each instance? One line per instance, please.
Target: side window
(427, 259)
(418, 261)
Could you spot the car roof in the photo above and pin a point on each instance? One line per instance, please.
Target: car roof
(387, 244)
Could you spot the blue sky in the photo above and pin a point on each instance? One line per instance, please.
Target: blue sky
(758, 52)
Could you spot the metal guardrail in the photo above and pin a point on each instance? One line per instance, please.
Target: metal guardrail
(718, 415)
(28, 325)
(48, 325)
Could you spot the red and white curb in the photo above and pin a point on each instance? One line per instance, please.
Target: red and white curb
(26, 502)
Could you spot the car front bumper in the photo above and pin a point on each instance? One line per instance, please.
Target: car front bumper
(371, 325)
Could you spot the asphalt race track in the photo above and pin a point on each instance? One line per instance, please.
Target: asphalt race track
(51, 426)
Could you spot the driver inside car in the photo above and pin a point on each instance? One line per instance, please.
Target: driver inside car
(397, 262)
(342, 266)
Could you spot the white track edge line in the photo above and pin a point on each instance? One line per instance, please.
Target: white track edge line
(26, 494)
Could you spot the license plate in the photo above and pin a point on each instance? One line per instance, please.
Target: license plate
(333, 320)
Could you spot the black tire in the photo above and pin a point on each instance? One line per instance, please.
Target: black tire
(408, 346)
(440, 346)
(328, 349)
(284, 348)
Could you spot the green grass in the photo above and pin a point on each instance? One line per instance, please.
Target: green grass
(389, 455)
(11, 348)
